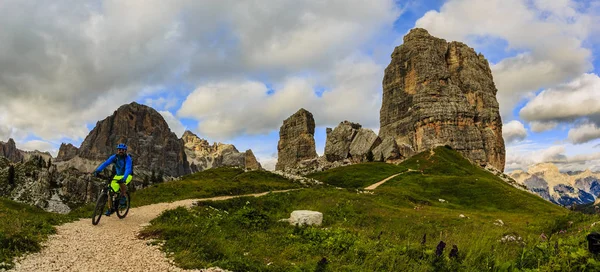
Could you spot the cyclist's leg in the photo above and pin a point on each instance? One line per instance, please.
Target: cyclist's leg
(115, 184)
(123, 184)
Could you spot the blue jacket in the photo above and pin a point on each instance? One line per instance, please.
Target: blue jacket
(123, 165)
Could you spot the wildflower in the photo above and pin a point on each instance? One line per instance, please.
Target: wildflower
(440, 248)
(543, 237)
(454, 252)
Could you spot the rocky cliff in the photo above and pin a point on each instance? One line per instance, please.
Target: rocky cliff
(66, 152)
(150, 141)
(548, 182)
(201, 155)
(37, 183)
(439, 93)
(296, 140)
(9, 150)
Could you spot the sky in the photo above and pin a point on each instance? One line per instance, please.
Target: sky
(232, 71)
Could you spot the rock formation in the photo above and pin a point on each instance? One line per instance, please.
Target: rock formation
(66, 152)
(251, 161)
(147, 135)
(46, 187)
(337, 145)
(201, 155)
(296, 140)
(9, 150)
(350, 141)
(548, 182)
(439, 93)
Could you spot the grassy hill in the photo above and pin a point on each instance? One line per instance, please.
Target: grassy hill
(398, 227)
(24, 227)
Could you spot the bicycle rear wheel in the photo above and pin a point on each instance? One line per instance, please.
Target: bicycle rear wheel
(124, 209)
(99, 209)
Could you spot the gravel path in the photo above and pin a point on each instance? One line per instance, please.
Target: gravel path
(112, 245)
(374, 186)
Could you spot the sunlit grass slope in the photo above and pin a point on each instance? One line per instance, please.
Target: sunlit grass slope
(396, 228)
(357, 175)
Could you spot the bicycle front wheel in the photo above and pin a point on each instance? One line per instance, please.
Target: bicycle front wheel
(122, 210)
(99, 209)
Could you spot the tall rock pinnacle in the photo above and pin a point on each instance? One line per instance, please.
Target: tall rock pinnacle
(296, 140)
(439, 93)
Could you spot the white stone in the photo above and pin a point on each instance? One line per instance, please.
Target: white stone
(442, 200)
(305, 217)
(461, 215)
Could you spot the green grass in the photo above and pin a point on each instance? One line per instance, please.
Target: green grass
(24, 227)
(212, 182)
(357, 175)
(384, 231)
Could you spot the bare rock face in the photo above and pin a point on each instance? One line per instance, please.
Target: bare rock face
(337, 145)
(9, 150)
(66, 152)
(150, 141)
(203, 155)
(296, 140)
(364, 141)
(251, 161)
(387, 150)
(439, 93)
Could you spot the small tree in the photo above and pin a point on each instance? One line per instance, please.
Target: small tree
(11, 175)
(370, 156)
(153, 176)
(159, 176)
(49, 162)
(381, 159)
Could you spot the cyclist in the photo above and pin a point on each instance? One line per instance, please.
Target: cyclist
(124, 166)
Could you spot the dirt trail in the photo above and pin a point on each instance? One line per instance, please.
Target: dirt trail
(374, 186)
(112, 245)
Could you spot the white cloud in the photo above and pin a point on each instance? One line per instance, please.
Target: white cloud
(174, 124)
(75, 62)
(584, 133)
(542, 126)
(39, 146)
(549, 35)
(229, 108)
(565, 157)
(161, 103)
(268, 162)
(566, 102)
(514, 131)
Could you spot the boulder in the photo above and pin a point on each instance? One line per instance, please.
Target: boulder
(364, 141)
(337, 145)
(305, 217)
(387, 150)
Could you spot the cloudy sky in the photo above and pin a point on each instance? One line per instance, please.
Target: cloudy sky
(232, 71)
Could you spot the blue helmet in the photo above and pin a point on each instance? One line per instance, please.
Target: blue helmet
(122, 146)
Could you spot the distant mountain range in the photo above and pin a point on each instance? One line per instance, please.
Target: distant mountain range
(564, 189)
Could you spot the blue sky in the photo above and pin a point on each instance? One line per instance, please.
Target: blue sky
(232, 71)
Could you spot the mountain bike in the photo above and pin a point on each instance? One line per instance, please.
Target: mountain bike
(102, 202)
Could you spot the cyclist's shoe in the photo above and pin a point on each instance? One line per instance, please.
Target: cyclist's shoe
(123, 201)
(109, 212)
